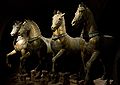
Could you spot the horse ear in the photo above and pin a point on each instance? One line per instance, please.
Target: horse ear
(82, 3)
(58, 12)
(54, 12)
(63, 14)
(18, 22)
(79, 5)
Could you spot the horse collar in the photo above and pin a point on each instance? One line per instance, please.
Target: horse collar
(33, 39)
(93, 34)
(55, 37)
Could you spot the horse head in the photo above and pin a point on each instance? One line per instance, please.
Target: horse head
(29, 29)
(79, 14)
(23, 29)
(57, 20)
(16, 27)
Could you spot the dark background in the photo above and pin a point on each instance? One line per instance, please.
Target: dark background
(106, 13)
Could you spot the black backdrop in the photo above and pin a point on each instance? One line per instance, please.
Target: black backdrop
(105, 12)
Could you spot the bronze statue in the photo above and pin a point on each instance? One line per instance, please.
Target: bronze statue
(70, 45)
(97, 46)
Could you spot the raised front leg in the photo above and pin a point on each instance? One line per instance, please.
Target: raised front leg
(11, 53)
(56, 57)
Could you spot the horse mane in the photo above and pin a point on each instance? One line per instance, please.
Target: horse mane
(33, 23)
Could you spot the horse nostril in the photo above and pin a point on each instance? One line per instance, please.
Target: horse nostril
(11, 34)
(73, 23)
(52, 28)
(19, 33)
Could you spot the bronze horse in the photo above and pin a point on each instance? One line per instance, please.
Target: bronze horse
(70, 45)
(30, 30)
(20, 42)
(98, 46)
(27, 46)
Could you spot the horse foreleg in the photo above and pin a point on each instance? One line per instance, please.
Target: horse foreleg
(88, 80)
(83, 67)
(11, 53)
(92, 59)
(24, 56)
(22, 61)
(82, 55)
(53, 67)
(54, 75)
(56, 57)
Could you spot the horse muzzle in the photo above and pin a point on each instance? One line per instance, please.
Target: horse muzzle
(53, 29)
(12, 34)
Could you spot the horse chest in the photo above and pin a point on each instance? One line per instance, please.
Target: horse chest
(21, 44)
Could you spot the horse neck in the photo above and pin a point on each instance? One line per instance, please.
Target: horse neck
(90, 24)
(62, 31)
(34, 31)
(62, 28)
